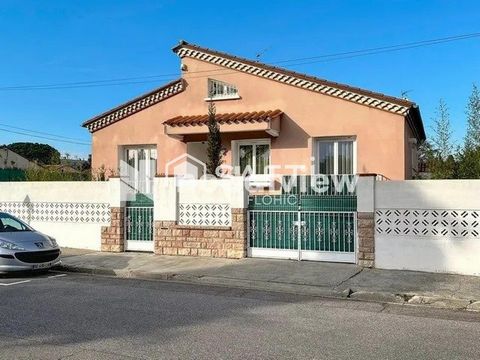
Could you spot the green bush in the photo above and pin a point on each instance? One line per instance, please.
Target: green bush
(42, 174)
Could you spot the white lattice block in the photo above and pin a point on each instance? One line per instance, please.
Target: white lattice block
(63, 212)
(442, 223)
(205, 214)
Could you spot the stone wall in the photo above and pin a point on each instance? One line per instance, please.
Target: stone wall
(113, 235)
(226, 242)
(366, 239)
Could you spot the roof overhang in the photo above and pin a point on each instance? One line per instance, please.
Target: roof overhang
(263, 121)
(133, 106)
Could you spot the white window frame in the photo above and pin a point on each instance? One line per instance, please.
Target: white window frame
(148, 172)
(335, 141)
(255, 179)
(225, 95)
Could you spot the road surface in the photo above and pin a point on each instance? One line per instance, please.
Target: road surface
(75, 316)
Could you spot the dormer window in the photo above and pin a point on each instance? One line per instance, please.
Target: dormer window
(219, 90)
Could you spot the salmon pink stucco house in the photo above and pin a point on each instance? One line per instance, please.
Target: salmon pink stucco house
(267, 116)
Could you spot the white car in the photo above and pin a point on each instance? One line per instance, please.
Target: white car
(22, 248)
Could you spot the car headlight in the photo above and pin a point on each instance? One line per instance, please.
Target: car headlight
(53, 242)
(10, 246)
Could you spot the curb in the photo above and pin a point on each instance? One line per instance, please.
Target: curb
(410, 299)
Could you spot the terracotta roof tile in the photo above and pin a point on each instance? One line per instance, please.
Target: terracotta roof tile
(228, 118)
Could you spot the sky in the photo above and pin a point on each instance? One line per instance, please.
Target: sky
(50, 42)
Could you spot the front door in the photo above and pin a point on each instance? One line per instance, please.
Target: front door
(141, 168)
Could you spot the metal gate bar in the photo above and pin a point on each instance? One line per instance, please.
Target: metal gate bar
(139, 223)
(314, 235)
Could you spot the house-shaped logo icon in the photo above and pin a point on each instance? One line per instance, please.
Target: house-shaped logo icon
(186, 166)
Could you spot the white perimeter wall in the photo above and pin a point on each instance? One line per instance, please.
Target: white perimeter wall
(428, 225)
(199, 202)
(72, 212)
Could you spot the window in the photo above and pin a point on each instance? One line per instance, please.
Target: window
(10, 224)
(335, 156)
(220, 90)
(253, 156)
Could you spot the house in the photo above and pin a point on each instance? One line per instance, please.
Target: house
(62, 168)
(267, 116)
(11, 160)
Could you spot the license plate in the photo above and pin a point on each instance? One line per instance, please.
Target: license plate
(42, 266)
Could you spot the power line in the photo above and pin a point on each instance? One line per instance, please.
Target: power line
(89, 85)
(366, 52)
(411, 44)
(45, 137)
(87, 82)
(42, 133)
(295, 62)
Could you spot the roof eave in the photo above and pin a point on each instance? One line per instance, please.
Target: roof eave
(416, 122)
(129, 102)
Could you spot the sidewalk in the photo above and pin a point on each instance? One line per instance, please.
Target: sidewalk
(306, 278)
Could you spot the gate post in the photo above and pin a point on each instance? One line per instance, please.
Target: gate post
(112, 237)
(365, 220)
(164, 214)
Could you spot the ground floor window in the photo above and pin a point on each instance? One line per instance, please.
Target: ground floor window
(253, 156)
(335, 156)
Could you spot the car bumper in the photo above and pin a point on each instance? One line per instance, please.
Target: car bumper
(14, 264)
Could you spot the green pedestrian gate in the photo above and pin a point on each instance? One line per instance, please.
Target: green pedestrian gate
(139, 224)
(302, 224)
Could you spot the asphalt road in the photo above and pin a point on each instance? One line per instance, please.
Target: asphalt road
(84, 317)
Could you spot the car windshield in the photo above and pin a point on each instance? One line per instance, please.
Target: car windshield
(10, 224)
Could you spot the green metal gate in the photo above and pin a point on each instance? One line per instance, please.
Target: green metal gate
(139, 224)
(302, 224)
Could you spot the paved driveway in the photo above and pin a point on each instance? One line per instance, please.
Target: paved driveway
(77, 316)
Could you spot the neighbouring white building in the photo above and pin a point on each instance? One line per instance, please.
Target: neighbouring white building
(12, 160)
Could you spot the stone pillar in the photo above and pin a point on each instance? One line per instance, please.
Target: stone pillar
(366, 220)
(239, 226)
(113, 235)
(366, 239)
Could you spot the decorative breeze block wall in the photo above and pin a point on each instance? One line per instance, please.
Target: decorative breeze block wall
(62, 212)
(440, 223)
(204, 214)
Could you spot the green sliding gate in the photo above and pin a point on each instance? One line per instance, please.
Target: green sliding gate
(303, 224)
(139, 224)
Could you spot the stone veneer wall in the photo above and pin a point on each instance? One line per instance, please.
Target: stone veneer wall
(225, 242)
(112, 236)
(366, 239)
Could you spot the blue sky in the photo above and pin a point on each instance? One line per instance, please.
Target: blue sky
(46, 42)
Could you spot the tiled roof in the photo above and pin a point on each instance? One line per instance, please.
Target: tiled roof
(229, 118)
(131, 107)
(312, 83)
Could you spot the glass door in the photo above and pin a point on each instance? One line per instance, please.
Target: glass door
(141, 163)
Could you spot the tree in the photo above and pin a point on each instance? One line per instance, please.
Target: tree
(215, 150)
(41, 153)
(469, 156)
(440, 154)
(472, 139)
(469, 163)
